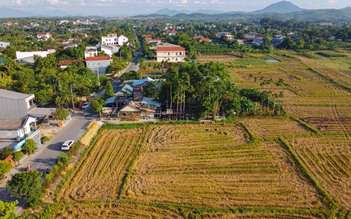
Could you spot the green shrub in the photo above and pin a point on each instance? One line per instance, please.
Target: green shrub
(29, 147)
(64, 158)
(44, 139)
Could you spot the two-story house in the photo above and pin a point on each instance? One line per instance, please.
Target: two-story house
(114, 39)
(170, 53)
(18, 119)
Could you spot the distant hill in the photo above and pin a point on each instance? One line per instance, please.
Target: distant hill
(170, 12)
(279, 7)
(8, 12)
(283, 10)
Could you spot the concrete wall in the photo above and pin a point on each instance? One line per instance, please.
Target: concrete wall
(101, 65)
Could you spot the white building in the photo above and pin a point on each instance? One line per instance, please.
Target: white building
(122, 40)
(98, 64)
(4, 44)
(170, 53)
(110, 39)
(28, 57)
(90, 51)
(113, 39)
(44, 36)
(109, 50)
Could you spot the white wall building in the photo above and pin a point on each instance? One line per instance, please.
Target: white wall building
(98, 64)
(43, 36)
(113, 39)
(110, 39)
(4, 44)
(122, 40)
(109, 50)
(28, 57)
(170, 53)
(90, 51)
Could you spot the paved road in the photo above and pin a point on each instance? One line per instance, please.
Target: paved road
(45, 157)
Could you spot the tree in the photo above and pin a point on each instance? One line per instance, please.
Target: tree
(17, 155)
(61, 113)
(108, 90)
(7, 209)
(4, 168)
(5, 152)
(29, 147)
(97, 104)
(27, 185)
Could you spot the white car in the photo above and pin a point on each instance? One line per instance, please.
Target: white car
(85, 105)
(67, 145)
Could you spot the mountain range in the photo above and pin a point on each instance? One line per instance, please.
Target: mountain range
(283, 10)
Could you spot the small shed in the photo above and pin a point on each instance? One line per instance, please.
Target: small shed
(130, 112)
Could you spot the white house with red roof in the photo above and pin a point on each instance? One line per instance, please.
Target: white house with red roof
(98, 64)
(171, 32)
(43, 36)
(202, 39)
(170, 53)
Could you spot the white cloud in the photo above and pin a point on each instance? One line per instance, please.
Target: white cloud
(183, 2)
(333, 1)
(54, 2)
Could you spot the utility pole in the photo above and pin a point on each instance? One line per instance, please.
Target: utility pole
(72, 96)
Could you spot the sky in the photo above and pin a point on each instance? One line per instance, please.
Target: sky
(134, 7)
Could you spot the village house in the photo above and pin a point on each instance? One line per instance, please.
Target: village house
(4, 44)
(109, 49)
(121, 40)
(98, 64)
(44, 36)
(171, 32)
(252, 35)
(110, 39)
(202, 39)
(225, 35)
(90, 51)
(170, 53)
(113, 39)
(18, 119)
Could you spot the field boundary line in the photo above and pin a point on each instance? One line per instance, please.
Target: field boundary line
(252, 137)
(305, 171)
(305, 125)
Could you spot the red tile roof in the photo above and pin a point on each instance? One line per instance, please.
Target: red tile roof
(148, 36)
(169, 48)
(97, 58)
(69, 62)
(42, 33)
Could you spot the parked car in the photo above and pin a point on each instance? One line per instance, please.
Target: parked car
(67, 145)
(85, 105)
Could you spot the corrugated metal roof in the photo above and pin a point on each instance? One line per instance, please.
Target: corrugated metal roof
(13, 95)
(12, 124)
